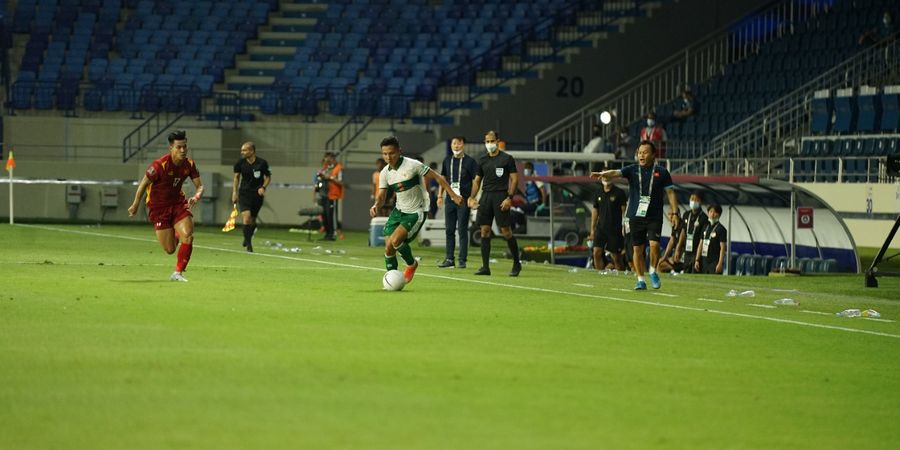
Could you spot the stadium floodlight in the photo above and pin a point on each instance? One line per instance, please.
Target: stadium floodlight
(605, 117)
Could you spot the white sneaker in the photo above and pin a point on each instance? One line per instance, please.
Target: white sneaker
(177, 276)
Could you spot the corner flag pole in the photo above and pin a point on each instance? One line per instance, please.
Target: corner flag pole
(11, 209)
(10, 166)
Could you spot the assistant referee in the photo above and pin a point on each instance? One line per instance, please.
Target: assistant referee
(251, 178)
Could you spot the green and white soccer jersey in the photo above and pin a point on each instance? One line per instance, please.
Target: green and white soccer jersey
(406, 181)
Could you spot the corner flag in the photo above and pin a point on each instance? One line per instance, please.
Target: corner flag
(10, 162)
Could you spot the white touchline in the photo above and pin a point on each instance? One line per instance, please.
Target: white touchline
(584, 285)
(662, 294)
(512, 286)
(816, 312)
(761, 306)
(709, 300)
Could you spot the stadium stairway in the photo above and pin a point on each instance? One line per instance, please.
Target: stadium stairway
(275, 45)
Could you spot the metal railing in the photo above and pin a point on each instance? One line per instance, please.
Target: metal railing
(825, 169)
(776, 129)
(665, 81)
(147, 132)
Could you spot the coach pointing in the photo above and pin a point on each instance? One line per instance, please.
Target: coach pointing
(646, 184)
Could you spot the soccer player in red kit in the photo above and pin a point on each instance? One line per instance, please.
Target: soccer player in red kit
(167, 208)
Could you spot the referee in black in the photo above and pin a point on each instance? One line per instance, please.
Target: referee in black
(497, 178)
(251, 178)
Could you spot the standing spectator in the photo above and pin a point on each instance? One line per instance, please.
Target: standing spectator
(251, 179)
(459, 170)
(711, 254)
(497, 177)
(655, 134)
(167, 208)
(646, 183)
(624, 145)
(406, 177)
(688, 106)
(883, 31)
(606, 225)
(694, 223)
(670, 260)
(331, 176)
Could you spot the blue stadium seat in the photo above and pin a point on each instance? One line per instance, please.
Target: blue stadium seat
(821, 115)
(890, 116)
(869, 113)
(845, 114)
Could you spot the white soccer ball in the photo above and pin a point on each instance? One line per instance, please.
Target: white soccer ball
(393, 280)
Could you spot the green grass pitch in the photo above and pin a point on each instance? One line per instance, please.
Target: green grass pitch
(98, 350)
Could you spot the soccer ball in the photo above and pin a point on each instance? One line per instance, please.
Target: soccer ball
(393, 280)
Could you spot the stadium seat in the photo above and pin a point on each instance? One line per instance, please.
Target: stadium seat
(869, 110)
(845, 111)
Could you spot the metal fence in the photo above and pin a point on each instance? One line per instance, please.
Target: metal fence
(665, 81)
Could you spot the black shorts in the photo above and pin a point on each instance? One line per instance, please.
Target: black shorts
(644, 229)
(688, 262)
(610, 240)
(489, 209)
(250, 201)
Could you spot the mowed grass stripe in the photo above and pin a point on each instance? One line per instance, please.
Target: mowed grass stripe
(513, 286)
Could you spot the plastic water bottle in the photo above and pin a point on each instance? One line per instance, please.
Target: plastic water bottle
(782, 268)
(734, 293)
(786, 302)
(849, 313)
(871, 313)
(573, 270)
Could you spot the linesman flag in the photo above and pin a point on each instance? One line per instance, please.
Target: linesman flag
(10, 162)
(229, 224)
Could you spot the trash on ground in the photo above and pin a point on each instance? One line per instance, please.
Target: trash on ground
(849, 313)
(786, 302)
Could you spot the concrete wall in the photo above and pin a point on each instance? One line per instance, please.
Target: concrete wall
(850, 200)
(616, 60)
(51, 147)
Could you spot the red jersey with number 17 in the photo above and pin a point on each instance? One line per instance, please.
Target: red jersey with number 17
(166, 180)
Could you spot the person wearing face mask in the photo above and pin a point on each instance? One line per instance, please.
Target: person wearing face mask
(655, 134)
(535, 195)
(648, 184)
(711, 253)
(687, 108)
(692, 233)
(459, 170)
(498, 179)
(624, 145)
(606, 225)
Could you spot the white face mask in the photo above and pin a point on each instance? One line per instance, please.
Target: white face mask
(694, 205)
(651, 122)
(713, 220)
(527, 172)
(491, 148)
(457, 152)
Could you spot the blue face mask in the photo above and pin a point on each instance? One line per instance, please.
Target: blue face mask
(651, 122)
(694, 205)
